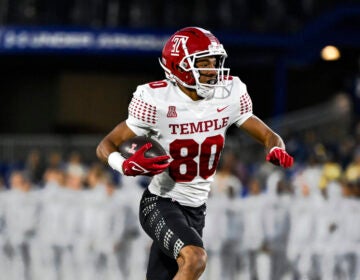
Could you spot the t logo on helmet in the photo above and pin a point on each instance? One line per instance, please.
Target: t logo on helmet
(177, 40)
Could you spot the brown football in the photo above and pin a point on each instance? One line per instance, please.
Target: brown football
(130, 146)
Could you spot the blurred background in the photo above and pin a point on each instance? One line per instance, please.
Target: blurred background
(68, 71)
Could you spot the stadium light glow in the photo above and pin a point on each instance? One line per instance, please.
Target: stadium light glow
(330, 53)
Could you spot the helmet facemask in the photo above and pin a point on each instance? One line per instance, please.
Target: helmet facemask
(206, 90)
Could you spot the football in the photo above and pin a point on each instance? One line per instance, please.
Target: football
(129, 147)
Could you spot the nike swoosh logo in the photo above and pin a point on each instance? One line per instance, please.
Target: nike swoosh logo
(222, 109)
(136, 169)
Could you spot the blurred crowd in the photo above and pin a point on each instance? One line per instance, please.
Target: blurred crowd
(64, 218)
(76, 225)
(302, 225)
(258, 16)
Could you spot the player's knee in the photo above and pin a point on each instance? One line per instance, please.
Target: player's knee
(198, 260)
(194, 258)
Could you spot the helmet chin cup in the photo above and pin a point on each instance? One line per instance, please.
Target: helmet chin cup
(206, 93)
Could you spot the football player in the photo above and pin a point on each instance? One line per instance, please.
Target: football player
(188, 113)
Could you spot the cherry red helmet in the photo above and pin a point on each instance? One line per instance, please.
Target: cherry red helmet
(180, 53)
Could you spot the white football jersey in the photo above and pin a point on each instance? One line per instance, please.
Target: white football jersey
(192, 133)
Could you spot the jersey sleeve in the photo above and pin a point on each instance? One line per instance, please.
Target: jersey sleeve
(142, 112)
(243, 100)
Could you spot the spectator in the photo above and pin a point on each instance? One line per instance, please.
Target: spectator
(225, 178)
(21, 218)
(34, 166)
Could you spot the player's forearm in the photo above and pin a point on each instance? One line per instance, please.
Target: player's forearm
(262, 133)
(113, 140)
(273, 140)
(104, 149)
